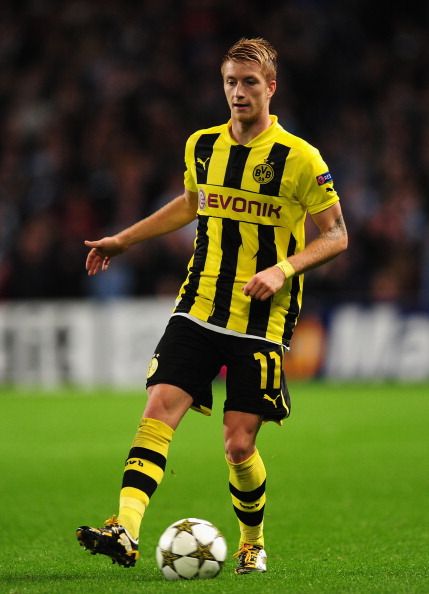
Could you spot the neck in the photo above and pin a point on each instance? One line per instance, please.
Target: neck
(244, 132)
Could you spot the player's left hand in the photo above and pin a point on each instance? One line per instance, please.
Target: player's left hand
(264, 284)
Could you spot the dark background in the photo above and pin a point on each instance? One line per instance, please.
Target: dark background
(98, 98)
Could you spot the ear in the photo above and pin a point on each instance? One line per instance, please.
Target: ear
(271, 88)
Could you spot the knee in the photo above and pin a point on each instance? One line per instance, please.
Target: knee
(240, 431)
(238, 449)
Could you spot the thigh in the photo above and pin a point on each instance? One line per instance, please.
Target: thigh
(186, 357)
(256, 381)
(167, 403)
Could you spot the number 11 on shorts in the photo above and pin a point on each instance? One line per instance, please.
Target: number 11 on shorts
(263, 361)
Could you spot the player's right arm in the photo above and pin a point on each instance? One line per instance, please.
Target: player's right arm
(174, 215)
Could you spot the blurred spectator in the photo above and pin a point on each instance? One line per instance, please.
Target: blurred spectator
(97, 99)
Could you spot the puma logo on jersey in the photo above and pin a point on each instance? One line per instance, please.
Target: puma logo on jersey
(203, 163)
(273, 400)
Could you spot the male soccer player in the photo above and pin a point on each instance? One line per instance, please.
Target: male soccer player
(251, 184)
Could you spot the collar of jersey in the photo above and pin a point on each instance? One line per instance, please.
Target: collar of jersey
(265, 135)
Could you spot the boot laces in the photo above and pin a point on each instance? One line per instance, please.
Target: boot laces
(247, 554)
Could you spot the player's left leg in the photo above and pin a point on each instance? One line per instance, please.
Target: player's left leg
(256, 392)
(247, 479)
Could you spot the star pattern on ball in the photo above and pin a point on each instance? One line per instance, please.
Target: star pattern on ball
(203, 553)
(185, 526)
(169, 558)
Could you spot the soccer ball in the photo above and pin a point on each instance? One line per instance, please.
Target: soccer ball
(191, 548)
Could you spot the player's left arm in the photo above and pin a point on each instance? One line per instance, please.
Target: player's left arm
(331, 241)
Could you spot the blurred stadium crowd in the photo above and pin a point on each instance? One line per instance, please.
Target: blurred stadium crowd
(97, 99)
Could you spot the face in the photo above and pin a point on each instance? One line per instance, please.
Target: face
(247, 91)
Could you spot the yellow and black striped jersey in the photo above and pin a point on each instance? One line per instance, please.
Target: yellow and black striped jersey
(252, 204)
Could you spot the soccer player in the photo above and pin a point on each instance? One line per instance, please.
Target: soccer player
(250, 183)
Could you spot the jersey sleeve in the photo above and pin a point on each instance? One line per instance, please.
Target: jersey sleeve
(315, 188)
(190, 179)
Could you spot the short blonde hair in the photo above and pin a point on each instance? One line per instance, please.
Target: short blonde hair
(257, 50)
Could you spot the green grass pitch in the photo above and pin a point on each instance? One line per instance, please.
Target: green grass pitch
(348, 491)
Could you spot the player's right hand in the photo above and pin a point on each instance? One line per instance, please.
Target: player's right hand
(101, 253)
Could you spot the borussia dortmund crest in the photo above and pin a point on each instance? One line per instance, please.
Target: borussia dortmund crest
(153, 366)
(263, 173)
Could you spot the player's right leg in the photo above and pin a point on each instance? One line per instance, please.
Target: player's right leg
(144, 470)
(184, 364)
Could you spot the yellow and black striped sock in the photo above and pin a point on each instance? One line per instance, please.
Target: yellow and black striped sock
(247, 487)
(143, 472)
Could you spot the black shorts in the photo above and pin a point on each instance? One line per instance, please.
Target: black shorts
(190, 356)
